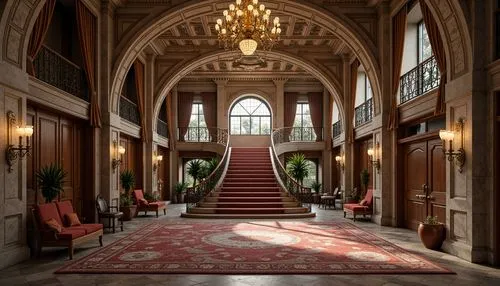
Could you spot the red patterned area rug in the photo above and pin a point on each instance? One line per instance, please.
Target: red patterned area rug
(252, 248)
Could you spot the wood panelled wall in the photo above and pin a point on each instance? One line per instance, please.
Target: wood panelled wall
(336, 171)
(60, 139)
(362, 161)
(132, 160)
(163, 173)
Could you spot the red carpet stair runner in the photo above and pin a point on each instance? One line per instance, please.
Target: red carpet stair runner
(250, 190)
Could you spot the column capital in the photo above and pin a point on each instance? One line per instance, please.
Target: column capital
(279, 81)
(220, 81)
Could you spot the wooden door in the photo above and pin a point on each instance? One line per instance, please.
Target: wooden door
(163, 173)
(132, 159)
(424, 182)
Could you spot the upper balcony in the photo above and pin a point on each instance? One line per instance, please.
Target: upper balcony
(420, 80)
(363, 113)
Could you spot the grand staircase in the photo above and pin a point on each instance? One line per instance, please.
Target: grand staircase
(249, 190)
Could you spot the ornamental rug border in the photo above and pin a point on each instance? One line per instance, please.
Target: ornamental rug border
(260, 247)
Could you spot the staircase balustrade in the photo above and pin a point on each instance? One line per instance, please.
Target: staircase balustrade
(194, 195)
(302, 194)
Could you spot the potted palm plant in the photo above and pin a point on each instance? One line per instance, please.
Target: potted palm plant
(298, 167)
(127, 179)
(195, 169)
(180, 188)
(316, 187)
(431, 232)
(51, 179)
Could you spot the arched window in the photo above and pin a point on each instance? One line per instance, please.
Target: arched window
(250, 116)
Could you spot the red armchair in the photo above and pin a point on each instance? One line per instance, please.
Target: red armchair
(53, 225)
(362, 208)
(145, 206)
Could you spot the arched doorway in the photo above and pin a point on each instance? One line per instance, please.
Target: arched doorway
(250, 121)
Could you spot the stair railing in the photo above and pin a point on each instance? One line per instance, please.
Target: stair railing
(194, 195)
(301, 194)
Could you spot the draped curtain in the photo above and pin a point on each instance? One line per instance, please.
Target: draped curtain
(398, 41)
(139, 86)
(209, 100)
(315, 100)
(438, 51)
(87, 32)
(170, 121)
(354, 82)
(37, 37)
(185, 107)
(290, 110)
(330, 122)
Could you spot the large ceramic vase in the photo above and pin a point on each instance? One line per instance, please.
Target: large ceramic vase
(128, 212)
(431, 235)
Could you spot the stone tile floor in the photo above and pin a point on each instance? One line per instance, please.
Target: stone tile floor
(41, 271)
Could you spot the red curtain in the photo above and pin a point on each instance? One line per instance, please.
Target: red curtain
(139, 86)
(209, 100)
(316, 106)
(290, 111)
(438, 51)
(184, 107)
(170, 122)
(354, 82)
(37, 37)
(87, 32)
(398, 42)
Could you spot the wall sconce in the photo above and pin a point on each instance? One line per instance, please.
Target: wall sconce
(12, 152)
(449, 135)
(371, 154)
(157, 159)
(340, 161)
(120, 150)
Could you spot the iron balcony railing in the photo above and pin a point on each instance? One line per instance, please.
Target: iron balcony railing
(364, 113)
(420, 80)
(301, 194)
(202, 134)
(129, 111)
(54, 69)
(162, 128)
(196, 194)
(336, 129)
(300, 134)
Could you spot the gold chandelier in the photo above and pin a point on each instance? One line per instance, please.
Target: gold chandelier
(247, 25)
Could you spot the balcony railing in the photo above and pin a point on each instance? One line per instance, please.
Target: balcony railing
(59, 72)
(298, 134)
(162, 128)
(364, 113)
(336, 129)
(129, 111)
(423, 78)
(202, 134)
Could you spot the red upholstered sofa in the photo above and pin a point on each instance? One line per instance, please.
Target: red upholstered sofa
(362, 208)
(70, 236)
(144, 206)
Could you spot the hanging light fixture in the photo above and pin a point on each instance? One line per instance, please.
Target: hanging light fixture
(247, 25)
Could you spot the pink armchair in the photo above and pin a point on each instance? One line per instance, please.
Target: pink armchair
(145, 206)
(362, 208)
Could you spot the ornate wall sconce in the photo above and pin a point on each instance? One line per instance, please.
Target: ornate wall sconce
(449, 135)
(120, 150)
(374, 161)
(157, 161)
(13, 153)
(340, 161)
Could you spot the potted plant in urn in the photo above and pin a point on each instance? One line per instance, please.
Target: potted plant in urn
(431, 233)
(298, 167)
(316, 187)
(179, 191)
(127, 180)
(51, 180)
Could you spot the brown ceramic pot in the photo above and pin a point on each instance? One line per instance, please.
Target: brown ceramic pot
(431, 235)
(128, 212)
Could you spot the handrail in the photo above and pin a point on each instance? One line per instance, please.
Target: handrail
(201, 135)
(194, 195)
(364, 113)
(419, 80)
(299, 134)
(301, 194)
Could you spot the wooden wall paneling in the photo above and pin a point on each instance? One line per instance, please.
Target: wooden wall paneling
(164, 173)
(336, 171)
(67, 159)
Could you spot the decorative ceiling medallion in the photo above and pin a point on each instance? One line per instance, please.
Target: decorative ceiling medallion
(247, 25)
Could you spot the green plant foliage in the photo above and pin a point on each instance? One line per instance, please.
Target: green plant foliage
(150, 197)
(51, 179)
(125, 200)
(195, 170)
(298, 167)
(180, 187)
(431, 220)
(127, 180)
(211, 165)
(316, 186)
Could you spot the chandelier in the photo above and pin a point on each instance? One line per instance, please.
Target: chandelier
(247, 25)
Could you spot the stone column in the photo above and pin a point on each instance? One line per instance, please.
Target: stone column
(174, 154)
(327, 138)
(149, 148)
(347, 148)
(222, 117)
(279, 117)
